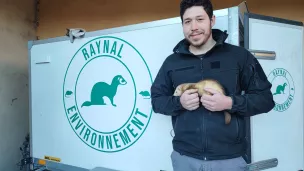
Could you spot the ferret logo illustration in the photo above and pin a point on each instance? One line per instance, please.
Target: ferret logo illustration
(106, 94)
(283, 89)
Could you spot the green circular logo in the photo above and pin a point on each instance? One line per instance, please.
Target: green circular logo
(106, 94)
(283, 88)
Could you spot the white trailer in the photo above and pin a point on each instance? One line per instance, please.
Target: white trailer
(73, 130)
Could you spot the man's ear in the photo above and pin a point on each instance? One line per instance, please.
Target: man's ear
(213, 21)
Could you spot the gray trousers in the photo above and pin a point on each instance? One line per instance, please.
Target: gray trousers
(185, 163)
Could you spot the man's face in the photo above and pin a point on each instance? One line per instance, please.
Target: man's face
(197, 26)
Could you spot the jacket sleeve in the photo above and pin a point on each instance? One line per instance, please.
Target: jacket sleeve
(257, 97)
(162, 90)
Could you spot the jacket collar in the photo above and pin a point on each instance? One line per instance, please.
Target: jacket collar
(183, 46)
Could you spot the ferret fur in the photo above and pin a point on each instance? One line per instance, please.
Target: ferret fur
(200, 86)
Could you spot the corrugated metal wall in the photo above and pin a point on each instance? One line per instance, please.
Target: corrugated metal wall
(57, 15)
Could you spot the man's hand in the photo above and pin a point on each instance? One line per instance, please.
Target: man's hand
(216, 102)
(190, 100)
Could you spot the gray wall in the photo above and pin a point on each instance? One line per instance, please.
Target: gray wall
(16, 28)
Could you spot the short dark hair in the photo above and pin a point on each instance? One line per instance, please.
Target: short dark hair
(185, 4)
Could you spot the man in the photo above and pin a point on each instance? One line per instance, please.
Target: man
(202, 141)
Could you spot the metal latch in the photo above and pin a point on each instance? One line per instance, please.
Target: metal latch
(263, 54)
(75, 33)
(262, 165)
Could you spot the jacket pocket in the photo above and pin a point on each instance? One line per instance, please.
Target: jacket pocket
(184, 68)
(237, 130)
(240, 129)
(236, 134)
(186, 128)
(184, 75)
(225, 133)
(227, 77)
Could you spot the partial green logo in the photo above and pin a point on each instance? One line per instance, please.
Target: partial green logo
(106, 94)
(282, 88)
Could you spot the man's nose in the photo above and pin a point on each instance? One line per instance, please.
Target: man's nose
(194, 25)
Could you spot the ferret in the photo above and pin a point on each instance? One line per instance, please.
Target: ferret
(200, 86)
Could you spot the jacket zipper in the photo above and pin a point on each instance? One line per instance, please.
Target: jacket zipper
(204, 140)
(237, 119)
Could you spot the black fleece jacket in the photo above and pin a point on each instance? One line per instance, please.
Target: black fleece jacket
(201, 133)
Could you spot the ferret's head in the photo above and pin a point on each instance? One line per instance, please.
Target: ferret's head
(182, 88)
(178, 91)
(119, 80)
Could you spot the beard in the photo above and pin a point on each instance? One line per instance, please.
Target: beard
(200, 42)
